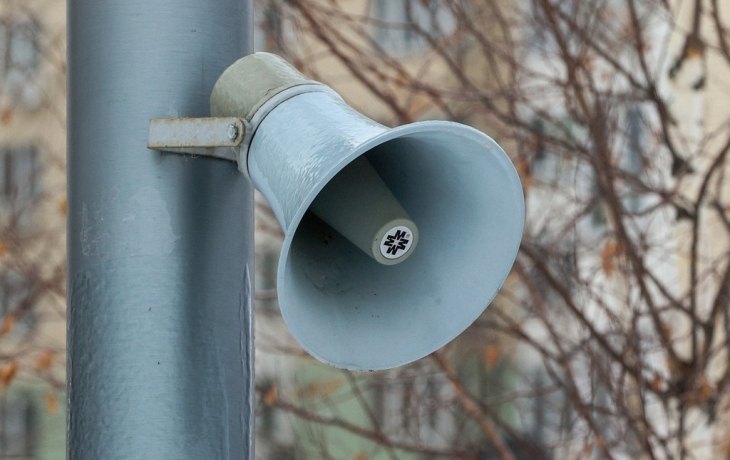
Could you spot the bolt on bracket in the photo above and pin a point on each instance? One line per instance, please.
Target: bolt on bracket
(217, 137)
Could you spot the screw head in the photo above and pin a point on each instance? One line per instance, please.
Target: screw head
(232, 132)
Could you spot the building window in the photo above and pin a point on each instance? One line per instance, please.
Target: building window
(19, 176)
(539, 139)
(22, 50)
(434, 390)
(15, 298)
(631, 165)
(410, 407)
(378, 403)
(19, 48)
(633, 162)
(266, 262)
(267, 417)
(561, 261)
(269, 34)
(399, 25)
(599, 217)
(16, 427)
(272, 26)
(549, 164)
(4, 47)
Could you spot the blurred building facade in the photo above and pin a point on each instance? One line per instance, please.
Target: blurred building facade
(32, 229)
(697, 95)
(697, 81)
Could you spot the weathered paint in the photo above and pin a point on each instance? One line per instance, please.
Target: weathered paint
(217, 137)
(160, 359)
(195, 132)
(251, 81)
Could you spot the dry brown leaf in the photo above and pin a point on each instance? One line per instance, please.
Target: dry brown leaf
(528, 182)
(725, 448)
(7, 373)
(678, 369)
(271, 395)
(8, 324)
(693, 51)
(51, 404)
(587, 449)
(6, 116)
(321, 387)
(491, 356)
(656, 384)
(63, 206)
(666, 329)
(4, 247)
(44, 361)
(608, 257)
(705, 390)
(522, 167)
(587, 63)
(360, 456)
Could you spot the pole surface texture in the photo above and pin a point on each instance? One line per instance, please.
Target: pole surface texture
(160, 246)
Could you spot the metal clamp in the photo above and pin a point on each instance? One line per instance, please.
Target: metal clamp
(227, 138)
(219, 137)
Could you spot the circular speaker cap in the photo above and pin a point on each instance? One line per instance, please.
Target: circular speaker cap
(396, 242)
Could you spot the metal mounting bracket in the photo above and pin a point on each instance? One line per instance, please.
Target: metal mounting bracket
(217, 137)
(227, 138)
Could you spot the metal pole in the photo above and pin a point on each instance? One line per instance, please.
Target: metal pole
(160, 356)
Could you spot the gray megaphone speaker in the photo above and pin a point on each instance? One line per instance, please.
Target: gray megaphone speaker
(396, 239)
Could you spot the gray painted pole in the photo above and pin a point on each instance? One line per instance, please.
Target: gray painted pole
(160, 356)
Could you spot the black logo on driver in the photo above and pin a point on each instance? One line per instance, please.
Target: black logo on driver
(397, 242)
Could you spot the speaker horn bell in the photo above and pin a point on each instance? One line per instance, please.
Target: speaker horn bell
(454, 183)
